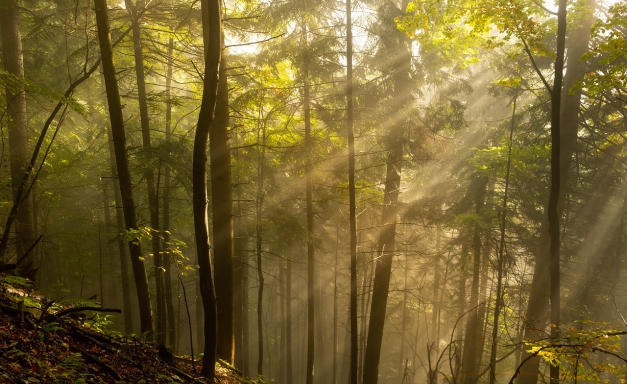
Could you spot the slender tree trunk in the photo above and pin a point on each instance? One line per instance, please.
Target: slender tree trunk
(124, 176)
(351, 194)
(238, 295)
(222, 208)
(404, 316)
(13, 62)
(385, 250)
(500, 260)
(153, 202)
(167, 256)
(540, 286)
(281, 323)
(212, 34)
(288, 322)
(310, 235)
(122, 247)
(483, 281)
(245, 318)
(552, 208)
(472, 334)
(260, 198)
(435, 305)
(337, 243)
(461, 287)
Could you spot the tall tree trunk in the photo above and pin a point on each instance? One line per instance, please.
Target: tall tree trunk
(350, 100)
(260, 198)
(153, 202)
(552, 208)
(167, 255)
(238, 295)
(337, 244)
(483, 281)
(473, 327)
(124, 176)
(500, 260)
(404, 314)
(212, 36)
(310, 235)
(18, 135)
(461, 304)
(281, 323)
(288, 321)
(222, 208)
(122, 247)
(568, 126)
(385, 248)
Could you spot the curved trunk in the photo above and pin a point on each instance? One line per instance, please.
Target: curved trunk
(212, 34)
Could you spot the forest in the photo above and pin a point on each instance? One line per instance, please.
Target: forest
(324, 192)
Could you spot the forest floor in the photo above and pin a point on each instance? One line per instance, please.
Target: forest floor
(44, 342)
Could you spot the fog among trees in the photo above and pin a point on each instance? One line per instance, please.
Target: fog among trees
(324, 192)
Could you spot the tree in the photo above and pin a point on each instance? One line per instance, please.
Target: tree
(18, 136)
(212, 33)
(124, 176)
(153, 198)
(222, 208)
(399, 71)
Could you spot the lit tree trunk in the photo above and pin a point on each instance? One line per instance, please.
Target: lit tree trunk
(351, 195)
(260, 197)
(124, 176)
(167, 256)
(385, 248)
(500, 261)
(222, 208)
(473, 327)
(540, 287)
(310, 235)
(212, 34)
(18, 135)
(153, 202)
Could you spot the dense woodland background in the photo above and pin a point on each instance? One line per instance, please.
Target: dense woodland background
(457, 110)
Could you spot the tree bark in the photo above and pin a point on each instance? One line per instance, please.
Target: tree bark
(167, 255)
(153, 202)
(124, 176)
(18, 134)
(536, 314)
(385, 248)
(500, 260)
(212, 36)
(310, 230)
(260, 197)
(222, 208)
(350, 100)
(473, 327)
(122, 246)
(288, 321)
